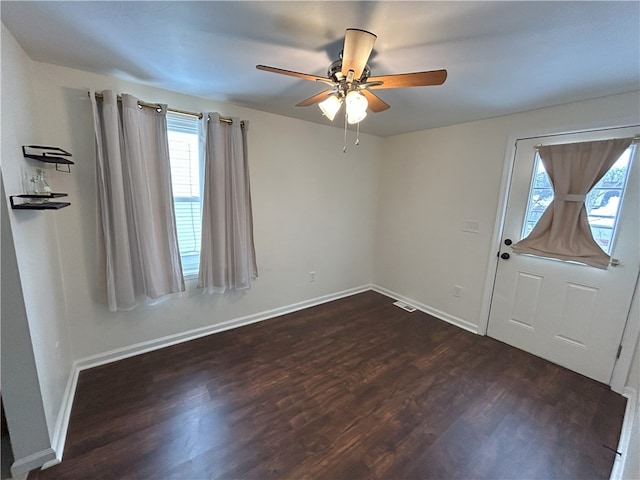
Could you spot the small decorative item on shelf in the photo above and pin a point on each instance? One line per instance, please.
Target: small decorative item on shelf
(38, 192)
(40, 187)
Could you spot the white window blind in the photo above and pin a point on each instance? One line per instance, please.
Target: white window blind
(185, 177)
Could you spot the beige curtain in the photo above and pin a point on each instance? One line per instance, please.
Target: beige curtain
(227, 253)
(563, 230)
(138, 247)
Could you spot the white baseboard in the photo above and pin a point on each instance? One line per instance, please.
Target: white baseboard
(25, 464)
(151, 345)
(630, 419)
(458, 322)
(64, 415)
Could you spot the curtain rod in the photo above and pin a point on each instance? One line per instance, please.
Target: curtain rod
(634, 141)
(175, 110)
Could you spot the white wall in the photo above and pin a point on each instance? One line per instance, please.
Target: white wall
(314, 209)
(433, 181)
(35, 235)
(21, 394)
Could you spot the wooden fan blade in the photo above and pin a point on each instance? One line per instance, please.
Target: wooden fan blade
(416, 79)
(376, 104)
(317, 98)
(291, 73)
(358, 45)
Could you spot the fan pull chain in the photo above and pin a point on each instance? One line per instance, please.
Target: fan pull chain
(344, 148)
(358, 134)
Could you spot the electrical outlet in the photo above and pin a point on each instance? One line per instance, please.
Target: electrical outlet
(457, 291)
(312, 276)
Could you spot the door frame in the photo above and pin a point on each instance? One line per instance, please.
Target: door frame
(631, 334)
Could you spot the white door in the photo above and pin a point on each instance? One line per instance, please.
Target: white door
(571, 314)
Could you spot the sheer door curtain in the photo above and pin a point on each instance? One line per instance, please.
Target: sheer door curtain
(138, 247)
(563, 230)
(227, 254)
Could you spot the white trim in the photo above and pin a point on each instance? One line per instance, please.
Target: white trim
(630, 341)
(151, 345)
(630, 414)
(496, 239)
(458, 322)
(30, 462)
(64, 415)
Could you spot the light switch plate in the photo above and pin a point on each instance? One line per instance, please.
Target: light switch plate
(471, 226)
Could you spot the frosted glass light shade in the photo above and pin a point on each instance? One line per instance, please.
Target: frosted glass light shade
(356, 106)
(330, 107)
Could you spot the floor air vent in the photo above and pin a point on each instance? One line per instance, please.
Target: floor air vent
(404, 306)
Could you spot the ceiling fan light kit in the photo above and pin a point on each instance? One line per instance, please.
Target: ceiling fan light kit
(331, 106)
(356, 107)
(350, 80)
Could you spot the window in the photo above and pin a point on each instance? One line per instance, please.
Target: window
(540, 196)
(602, 202)
(185, 177)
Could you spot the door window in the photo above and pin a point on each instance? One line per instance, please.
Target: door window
(602, 202)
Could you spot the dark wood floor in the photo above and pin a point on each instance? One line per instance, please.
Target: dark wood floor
(353, 389)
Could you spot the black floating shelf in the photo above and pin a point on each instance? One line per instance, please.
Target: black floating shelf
(45, 195)
(41, 205)
(48, 155)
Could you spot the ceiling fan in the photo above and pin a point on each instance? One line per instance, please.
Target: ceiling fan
(350, 80)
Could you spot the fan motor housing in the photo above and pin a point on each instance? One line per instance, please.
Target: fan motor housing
(334, 72)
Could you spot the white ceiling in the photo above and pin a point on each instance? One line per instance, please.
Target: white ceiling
(502, 57)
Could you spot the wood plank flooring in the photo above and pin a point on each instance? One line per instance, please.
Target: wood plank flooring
(352, 389)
